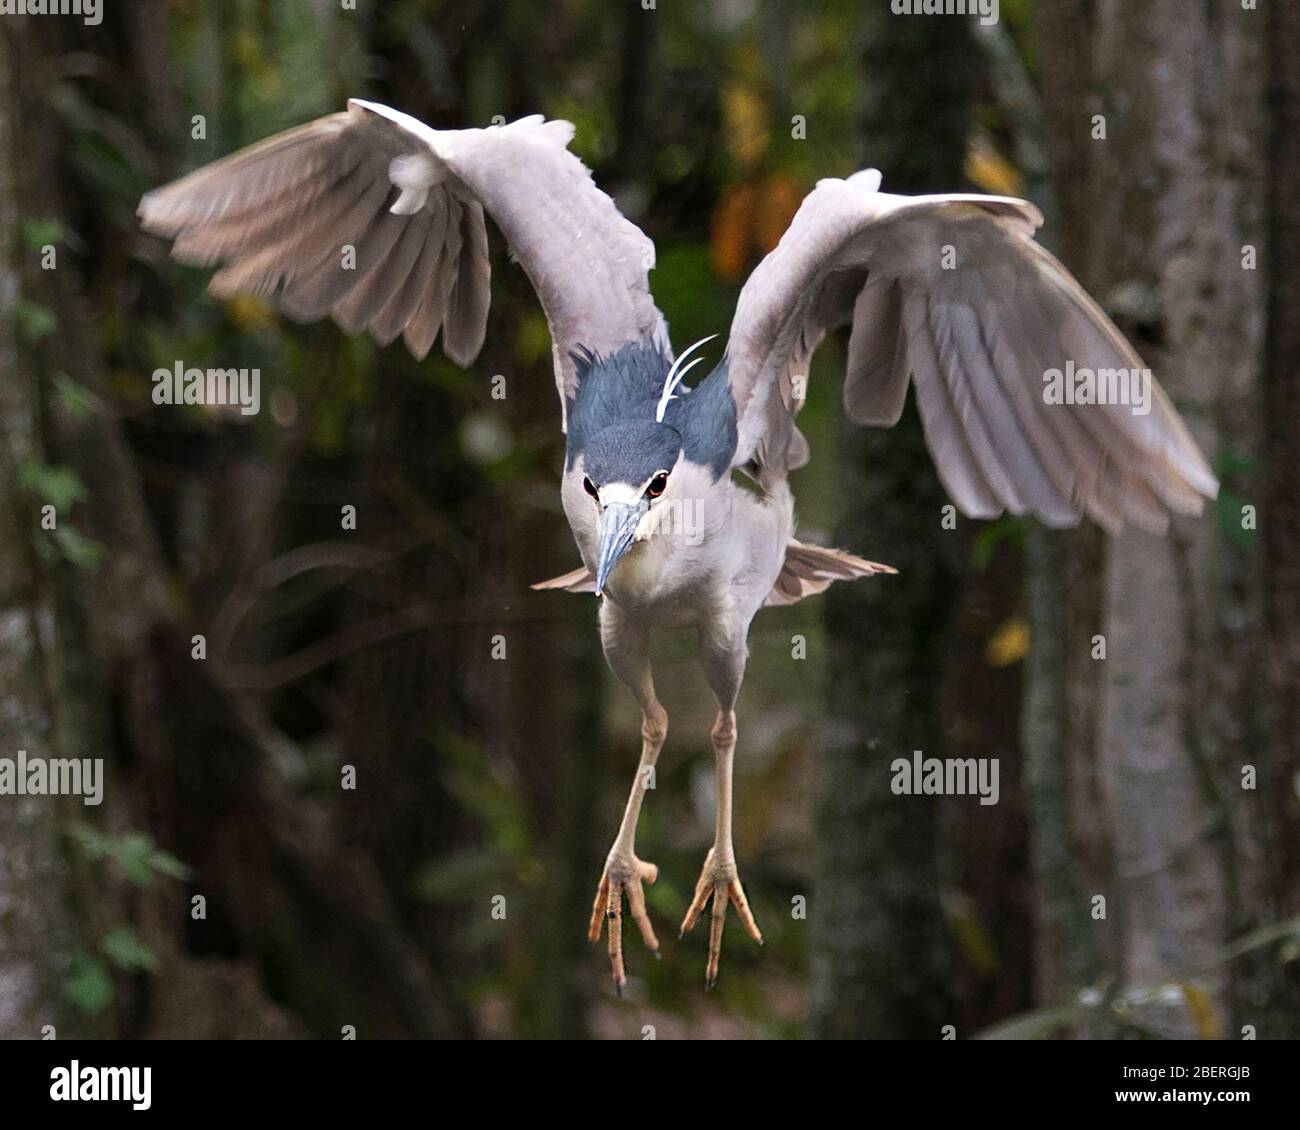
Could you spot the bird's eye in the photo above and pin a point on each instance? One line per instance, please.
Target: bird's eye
(589, 487)
(657, 485)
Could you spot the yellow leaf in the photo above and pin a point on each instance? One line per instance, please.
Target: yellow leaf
(988, 170)
(1202, 1010)
(729, 238)
(744, 114)
(779, 199)
(250, 313)
(749, 220)
(1010, 643)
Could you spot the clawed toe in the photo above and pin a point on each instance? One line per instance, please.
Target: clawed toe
(623, 876)
(719, 884)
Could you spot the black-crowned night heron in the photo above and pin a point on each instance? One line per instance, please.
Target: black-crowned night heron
(949, 293)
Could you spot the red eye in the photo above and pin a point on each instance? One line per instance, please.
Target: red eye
(589, 487)
(657, 485)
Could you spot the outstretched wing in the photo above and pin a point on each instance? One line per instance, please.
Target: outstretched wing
(953, 293)
(376, 219)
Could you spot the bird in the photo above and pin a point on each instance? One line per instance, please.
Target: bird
(678, 494)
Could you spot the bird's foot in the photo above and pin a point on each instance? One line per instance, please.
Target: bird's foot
(720, 882)
(622, 873)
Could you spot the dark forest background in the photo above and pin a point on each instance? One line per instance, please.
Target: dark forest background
(230, 886)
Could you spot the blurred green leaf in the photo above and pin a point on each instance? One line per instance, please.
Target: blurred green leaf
(55, 486)
(77, 549)
(77, 400)
(125, 950)
(37, 234)
(88, 984)
(1227, 463)
(134, 852)
(1228, 514)
(34, 321)
(1009, 529)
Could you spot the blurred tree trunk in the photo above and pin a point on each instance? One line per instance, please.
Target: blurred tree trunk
(403, 701)
(1281, 503)
(36, 939)
(880, 959)
(190, 764)
(1071, 839)
(1174, 200)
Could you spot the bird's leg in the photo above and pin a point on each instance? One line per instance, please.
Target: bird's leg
(719, 880)
(623, 871)
(627, 651)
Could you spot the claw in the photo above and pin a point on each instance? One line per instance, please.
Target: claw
(608, 908)
(719, 885)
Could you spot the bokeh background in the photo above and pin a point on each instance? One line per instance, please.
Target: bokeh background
(447, 893)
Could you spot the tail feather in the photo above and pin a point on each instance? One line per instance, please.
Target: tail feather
(810, 569)
(580, 580)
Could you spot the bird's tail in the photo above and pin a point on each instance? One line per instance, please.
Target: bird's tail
(812, 569)
(580, 580)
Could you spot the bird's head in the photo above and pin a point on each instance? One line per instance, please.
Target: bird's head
(628, 472)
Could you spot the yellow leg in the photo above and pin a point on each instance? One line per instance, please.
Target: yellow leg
(719, 880)
(624, 872)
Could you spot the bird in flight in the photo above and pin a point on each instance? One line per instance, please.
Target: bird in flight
(948, 294)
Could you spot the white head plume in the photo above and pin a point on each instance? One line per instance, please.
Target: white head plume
(676, 374)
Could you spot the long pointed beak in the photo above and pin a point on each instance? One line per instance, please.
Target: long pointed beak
(618, 523)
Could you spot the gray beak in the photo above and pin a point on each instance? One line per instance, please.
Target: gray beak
(618, 523)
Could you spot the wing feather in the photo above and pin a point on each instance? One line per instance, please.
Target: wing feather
(952, 294)
(411, 202)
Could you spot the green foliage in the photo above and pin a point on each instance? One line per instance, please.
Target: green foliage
(88, 984)
(125, 950)
(35, 322)
(38, 234)
(133, 852)
(89, 981)
(77, 400)
(51, 485)
(68, 544)
(1231, 468)
(61, 488)
(1007, 529)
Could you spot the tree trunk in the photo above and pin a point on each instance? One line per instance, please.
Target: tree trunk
(36, 939)
(1281, 504)
(1178, 171)
(880, 956)
(1071, 840)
